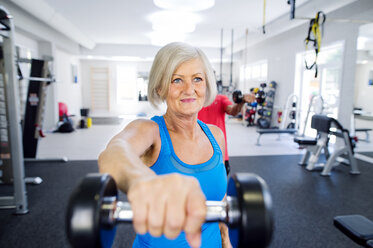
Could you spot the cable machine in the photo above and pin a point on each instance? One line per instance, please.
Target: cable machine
(11, 149)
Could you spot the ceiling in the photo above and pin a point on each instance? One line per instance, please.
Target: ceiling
(128, 22)
(125, 22)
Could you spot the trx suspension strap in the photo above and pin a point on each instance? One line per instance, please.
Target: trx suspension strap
(314, 36)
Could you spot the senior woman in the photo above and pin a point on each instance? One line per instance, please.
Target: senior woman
(170, 165)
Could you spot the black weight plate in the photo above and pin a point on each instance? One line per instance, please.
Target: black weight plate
(263, 123)
(83, 225)
(237, 96)
(255, 203)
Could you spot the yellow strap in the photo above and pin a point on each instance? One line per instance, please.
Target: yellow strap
(316, 31)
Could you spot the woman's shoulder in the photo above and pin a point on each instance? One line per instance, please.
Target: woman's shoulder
(216, 132)
(145, 125)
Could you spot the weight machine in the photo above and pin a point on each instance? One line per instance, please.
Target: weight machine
(11, 149)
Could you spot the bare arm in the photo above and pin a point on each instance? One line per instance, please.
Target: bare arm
(164, 204)
(235, 108)
(224, 231)
(121, 158)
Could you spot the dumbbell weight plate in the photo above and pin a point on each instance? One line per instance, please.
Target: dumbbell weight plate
(83, 215)
(86, 220)
(237, 96)
(254, 201)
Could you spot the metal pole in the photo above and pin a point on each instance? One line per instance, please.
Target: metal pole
(221, 55)
(15, 137)
(231, 79)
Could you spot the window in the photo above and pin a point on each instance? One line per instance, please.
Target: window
(251, 75)
(327, 84)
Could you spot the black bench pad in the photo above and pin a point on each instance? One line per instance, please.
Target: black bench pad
(274, 130)
(363, 129)
(305, 141)
(356, 227)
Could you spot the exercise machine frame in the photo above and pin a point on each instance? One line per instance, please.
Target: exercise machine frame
(324, 126)
(15, 157)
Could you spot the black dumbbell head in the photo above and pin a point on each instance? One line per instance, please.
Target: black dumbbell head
(263, 122)
(255, 205)
(273, 84)
(83, 217)
(270, 93)
(237, 96)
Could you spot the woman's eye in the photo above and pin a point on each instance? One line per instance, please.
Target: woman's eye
(198, 79)
(176, 80)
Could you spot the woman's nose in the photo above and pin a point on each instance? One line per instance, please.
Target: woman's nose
(189, 86)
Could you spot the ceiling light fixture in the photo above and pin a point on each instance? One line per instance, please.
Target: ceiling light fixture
(185, 5)
(174, 21)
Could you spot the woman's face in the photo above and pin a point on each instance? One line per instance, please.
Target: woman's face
(186, 94)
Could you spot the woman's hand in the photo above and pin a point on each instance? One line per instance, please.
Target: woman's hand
(168, 204)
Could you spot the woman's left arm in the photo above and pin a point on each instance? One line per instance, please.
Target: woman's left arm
(219, 137)
(226, 242)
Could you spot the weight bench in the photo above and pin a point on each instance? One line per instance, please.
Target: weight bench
(327, 126)
(356, 227)
(273, 131)
(366, 130)
(312, 144)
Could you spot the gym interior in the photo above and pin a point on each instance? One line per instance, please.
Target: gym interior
(75, 73)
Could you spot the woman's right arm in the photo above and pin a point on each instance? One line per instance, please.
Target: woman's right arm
(164, 204)
(121, 158)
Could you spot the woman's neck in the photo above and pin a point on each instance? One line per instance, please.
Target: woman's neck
(181, 124)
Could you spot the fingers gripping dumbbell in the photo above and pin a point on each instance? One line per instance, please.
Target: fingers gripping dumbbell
(93, 212)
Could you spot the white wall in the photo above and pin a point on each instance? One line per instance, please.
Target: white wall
(130, 107)
(363, 91)
(26, 43)
(281, 50)
(67, 90)
(37, 30)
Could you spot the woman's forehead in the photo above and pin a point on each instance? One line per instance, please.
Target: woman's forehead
(193, 64)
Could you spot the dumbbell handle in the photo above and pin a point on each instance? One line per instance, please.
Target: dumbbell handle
(217, 211)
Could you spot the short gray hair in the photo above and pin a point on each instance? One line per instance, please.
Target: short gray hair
(166, 62)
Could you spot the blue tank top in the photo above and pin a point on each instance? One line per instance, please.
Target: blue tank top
(212, 179)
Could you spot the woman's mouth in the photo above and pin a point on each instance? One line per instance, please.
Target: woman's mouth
(188, 100)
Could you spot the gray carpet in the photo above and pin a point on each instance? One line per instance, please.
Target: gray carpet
(369, 154)
(304, 203)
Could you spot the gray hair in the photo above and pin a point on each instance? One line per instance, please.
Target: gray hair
(166, 62)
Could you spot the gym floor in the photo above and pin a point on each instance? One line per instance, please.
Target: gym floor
(304, 203)
(86, 144)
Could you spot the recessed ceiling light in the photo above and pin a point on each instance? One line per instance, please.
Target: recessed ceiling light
(174, 21)
(186, 5)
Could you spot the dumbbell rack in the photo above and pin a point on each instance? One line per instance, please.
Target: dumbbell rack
(267, 107)
(11, 150)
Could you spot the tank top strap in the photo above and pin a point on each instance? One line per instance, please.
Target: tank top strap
(209, 135)
(165, 143)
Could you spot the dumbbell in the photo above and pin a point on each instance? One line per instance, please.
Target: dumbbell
(237, 96)
(93, 212)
